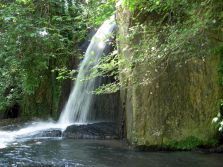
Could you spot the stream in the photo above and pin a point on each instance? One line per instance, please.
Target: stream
(60, 152)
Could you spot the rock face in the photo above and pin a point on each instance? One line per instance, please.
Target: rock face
(101, 130)
(105, 107)
(178, 105)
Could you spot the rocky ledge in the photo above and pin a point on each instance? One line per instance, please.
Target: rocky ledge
(100, 130)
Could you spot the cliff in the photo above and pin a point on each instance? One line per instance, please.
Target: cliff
(175, 107)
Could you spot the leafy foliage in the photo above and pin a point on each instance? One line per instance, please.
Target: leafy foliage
(35, 38)
(160, 31)
(218, 120)
(95, 12)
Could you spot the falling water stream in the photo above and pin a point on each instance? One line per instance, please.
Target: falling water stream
(79, 103)
(78, 106)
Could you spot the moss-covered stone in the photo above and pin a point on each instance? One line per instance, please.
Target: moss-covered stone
(191, 143)
(176, 108)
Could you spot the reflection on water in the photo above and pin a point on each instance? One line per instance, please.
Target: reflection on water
(92, 153)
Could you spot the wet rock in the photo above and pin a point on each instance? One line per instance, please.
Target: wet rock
(47, 133)
(13, 124)
(218, 149)
(10, 127)
(101, 130)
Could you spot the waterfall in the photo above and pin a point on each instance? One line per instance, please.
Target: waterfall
(78, 105)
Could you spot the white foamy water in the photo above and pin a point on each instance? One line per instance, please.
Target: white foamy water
(8, 137)
(78, 106)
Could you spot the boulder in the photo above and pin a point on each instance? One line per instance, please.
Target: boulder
(101, 130)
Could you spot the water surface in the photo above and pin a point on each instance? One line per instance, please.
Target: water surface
(93, 153)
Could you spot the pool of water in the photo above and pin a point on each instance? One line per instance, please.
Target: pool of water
(94, 153)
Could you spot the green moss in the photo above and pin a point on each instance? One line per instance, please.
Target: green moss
(45, 100)
(190, 143)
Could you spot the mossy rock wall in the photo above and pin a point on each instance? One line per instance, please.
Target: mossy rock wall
(45, 100)
(177, 105)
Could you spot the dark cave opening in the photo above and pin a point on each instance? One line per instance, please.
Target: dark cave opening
(13, 112)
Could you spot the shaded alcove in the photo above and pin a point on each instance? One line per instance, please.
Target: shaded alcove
(13, 112)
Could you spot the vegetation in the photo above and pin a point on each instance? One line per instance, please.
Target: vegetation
(169, 30)
(36, 37)
(191, 143)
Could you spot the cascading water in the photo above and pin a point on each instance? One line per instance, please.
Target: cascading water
(79, 102)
